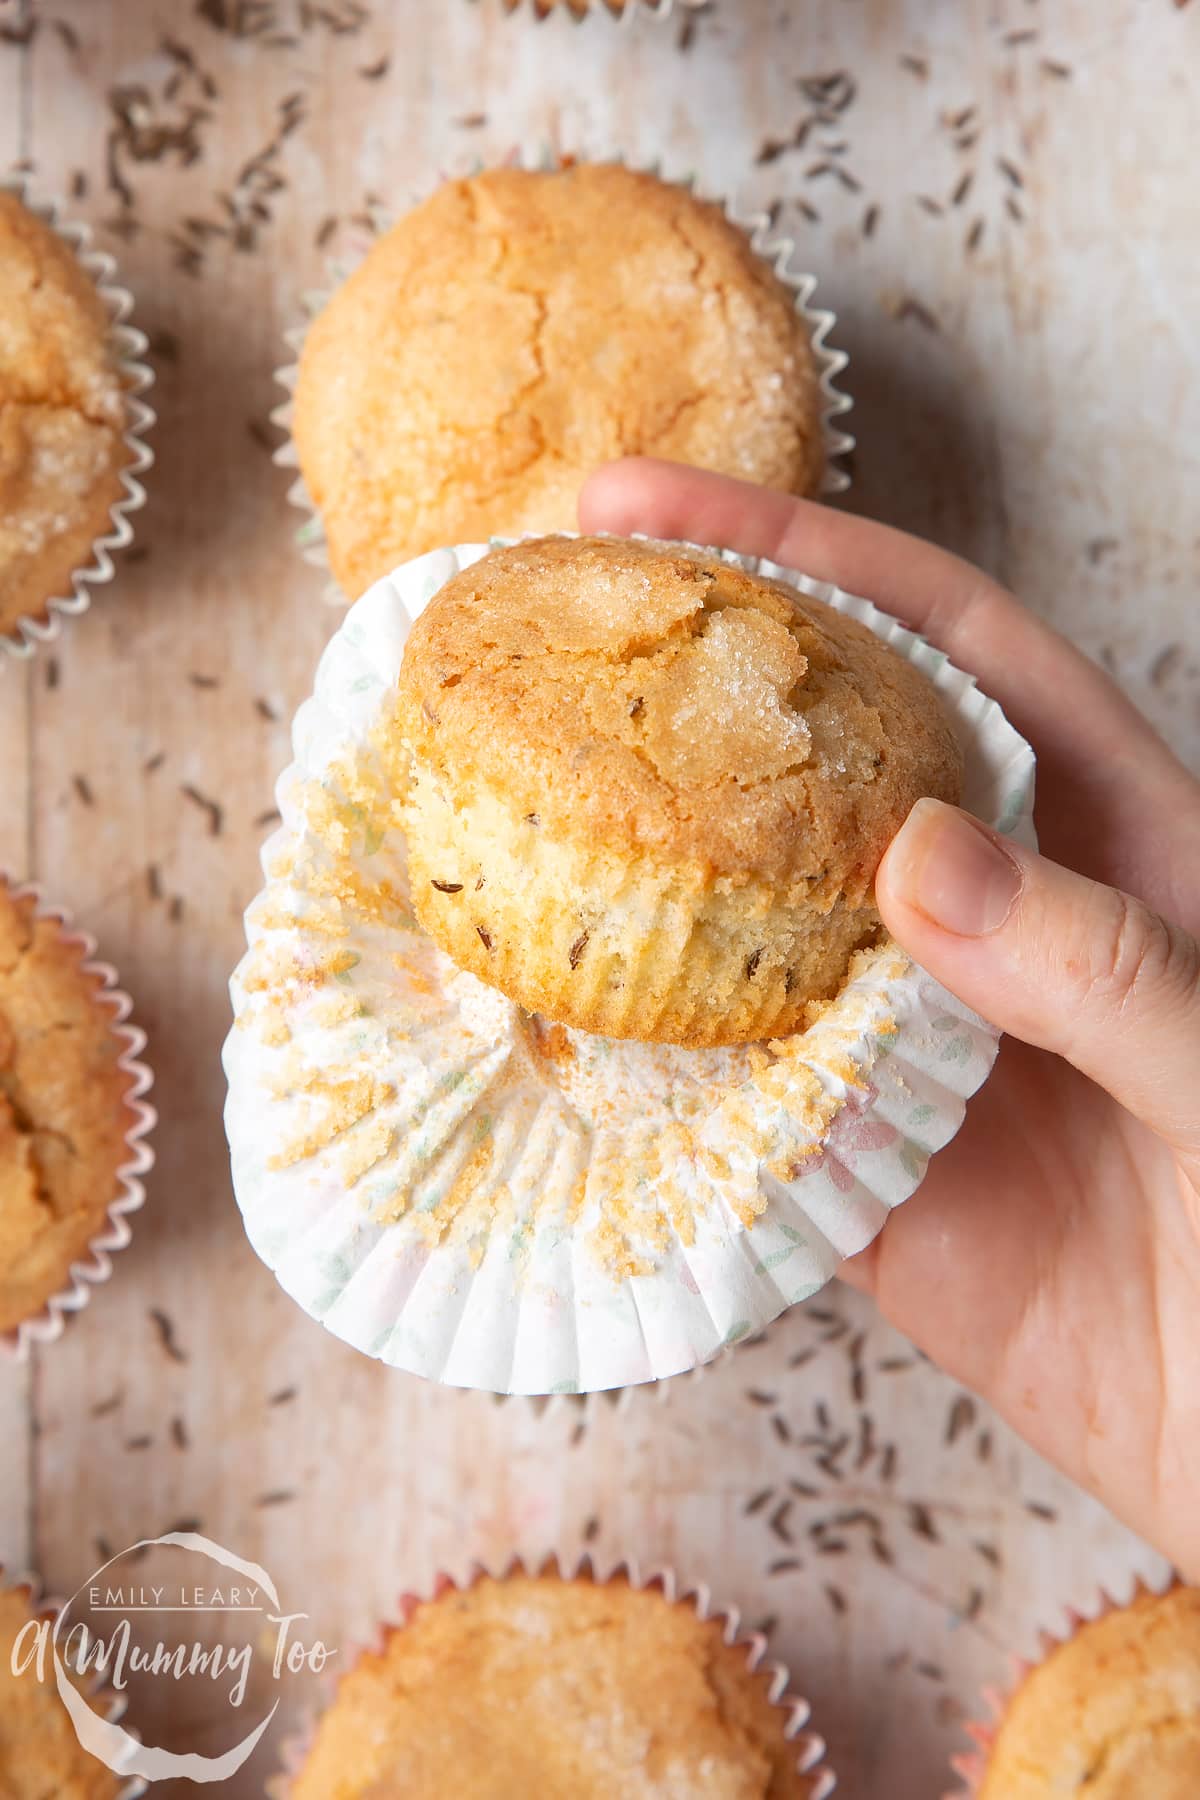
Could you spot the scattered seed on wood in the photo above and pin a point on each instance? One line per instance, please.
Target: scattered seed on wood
(1026, 36)
(265, 710)
(79, 184)
(908, 308)
(887, 1468)
(1013, 210)
(175, 909)
(83, 788)
(154, 762)
(778, 1522)
(1010, 171)
(262, 435)
(1058, 70)
(870, 220)
(974, 1605)
(916, 65)
(832, 1547)
(484, 937)
(921, 1521)
(835, 1597)
(785, 1565)
(892, 1365)
(271, 817)
(821, 1414)
(1040, 1510)
(276, 1497)
(962, 188)
(102, 1408)
(204, 681)
(103, 1549)
(577, 949)
(447, 887)
(881, 1552)
(1099, 548)
(760, 1397)
(805, 1490)
(960, 1418)
(591, 1530)
(779, 1426)
(473, 121)
(52, 673)
(166, 1335)
(183, 1526)
(143, 1442)
(930, 1671)
(215, 813)
(933, 207)
(154, 882)
(1165, 664)
(281, 1396)
(989, 1553)
(377, 70)
(974, 236)
(757, 1501)
(801, 1357)
(179, 1433)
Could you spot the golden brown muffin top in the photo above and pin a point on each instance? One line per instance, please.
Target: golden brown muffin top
(520, 328)
(63, 1110)
(1114, 1713)
(40, 1755)
(62, 413)
(654, 699)
(570, 1690)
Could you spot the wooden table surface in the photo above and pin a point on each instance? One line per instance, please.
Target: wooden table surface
(999, 198)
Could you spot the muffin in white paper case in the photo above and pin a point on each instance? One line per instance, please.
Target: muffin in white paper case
(809, 1769)
(92, 1267)
(775, 249)
(127, 347)
(465, 1192)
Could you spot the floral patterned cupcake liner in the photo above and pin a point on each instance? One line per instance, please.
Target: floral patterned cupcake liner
(971, 1767)
(112, 1705)
(92, 1271)
(751, 1176)
(129, 346)
(810, 1748)
(765, 240)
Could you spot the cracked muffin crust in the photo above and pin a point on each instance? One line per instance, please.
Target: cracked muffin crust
(648, 792)
(62, 415)
(40, 1754)
(519, 329)
(1113, 1713)
(64, 1111)
(568, 1689)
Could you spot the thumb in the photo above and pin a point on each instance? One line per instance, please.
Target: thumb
(1063, 962)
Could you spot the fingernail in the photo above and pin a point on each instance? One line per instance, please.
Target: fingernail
(950, 868)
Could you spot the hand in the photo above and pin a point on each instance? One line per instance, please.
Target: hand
(1051, 1259)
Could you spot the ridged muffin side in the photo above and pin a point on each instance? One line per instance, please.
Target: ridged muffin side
(649, 792)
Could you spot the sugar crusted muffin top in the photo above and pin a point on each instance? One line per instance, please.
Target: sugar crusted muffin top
(63, 1109)
(650, 698)
(520, 328)
(559, 1687)
(62, 413)
(1114, 1712)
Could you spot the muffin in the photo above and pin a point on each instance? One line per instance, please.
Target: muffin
(522, 327)
(65, 1107)
(62, 416)
(40, 1754)
(648, 792)
(1113, 1713)
(567, 1689)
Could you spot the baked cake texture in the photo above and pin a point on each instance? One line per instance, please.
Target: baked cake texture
(649, 792)
(40, 1756)
(522, 327)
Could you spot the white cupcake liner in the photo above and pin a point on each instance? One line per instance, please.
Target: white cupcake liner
(810, 1747)
(115, 1705)
(129, 347)
(821, 1143)
(971, 1768)
(45, 1326)
(777, 250)
(539, 10)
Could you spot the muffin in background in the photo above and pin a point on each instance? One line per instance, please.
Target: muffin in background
(648, 792)
(1113, 1712)
(522, 327)
(63, 416)
(567, 1688)
(69, 1111)
(40, 1755)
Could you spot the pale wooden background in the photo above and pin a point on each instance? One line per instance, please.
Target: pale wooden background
(1026, 390)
